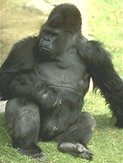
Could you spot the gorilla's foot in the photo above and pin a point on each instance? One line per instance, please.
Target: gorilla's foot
(76, 149)
(34, 152)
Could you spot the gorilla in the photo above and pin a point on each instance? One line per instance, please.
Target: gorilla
(45, 79)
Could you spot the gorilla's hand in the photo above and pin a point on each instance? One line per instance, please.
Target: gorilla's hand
(48, 98)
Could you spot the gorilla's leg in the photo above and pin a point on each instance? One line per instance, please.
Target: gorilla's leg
(75, 138)
(23, 121)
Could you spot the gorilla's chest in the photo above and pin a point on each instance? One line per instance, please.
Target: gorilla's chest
(69, 70)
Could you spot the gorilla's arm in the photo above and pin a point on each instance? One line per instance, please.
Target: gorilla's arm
(105, 77)
(32, 87)
(20, 61)
(15, 84)
(18, 77)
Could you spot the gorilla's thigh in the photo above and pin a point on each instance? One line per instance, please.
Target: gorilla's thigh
(23, 120)
(74, 140)
(80, 131)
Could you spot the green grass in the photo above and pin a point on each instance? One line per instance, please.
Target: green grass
(105, 23)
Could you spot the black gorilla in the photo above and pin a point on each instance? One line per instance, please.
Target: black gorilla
(45, 79)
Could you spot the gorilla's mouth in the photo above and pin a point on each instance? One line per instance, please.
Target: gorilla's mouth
(45, 48)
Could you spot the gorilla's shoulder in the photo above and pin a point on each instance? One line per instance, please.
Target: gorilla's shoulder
(21, 55)
(25, 43)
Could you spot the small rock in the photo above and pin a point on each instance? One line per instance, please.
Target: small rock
(41, 5)
(2, 106)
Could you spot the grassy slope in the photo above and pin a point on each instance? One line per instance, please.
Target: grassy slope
(106, 23)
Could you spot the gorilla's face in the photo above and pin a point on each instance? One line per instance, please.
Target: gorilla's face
(54, 41)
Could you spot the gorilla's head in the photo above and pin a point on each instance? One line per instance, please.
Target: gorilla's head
(65, 16)
(59, 32)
